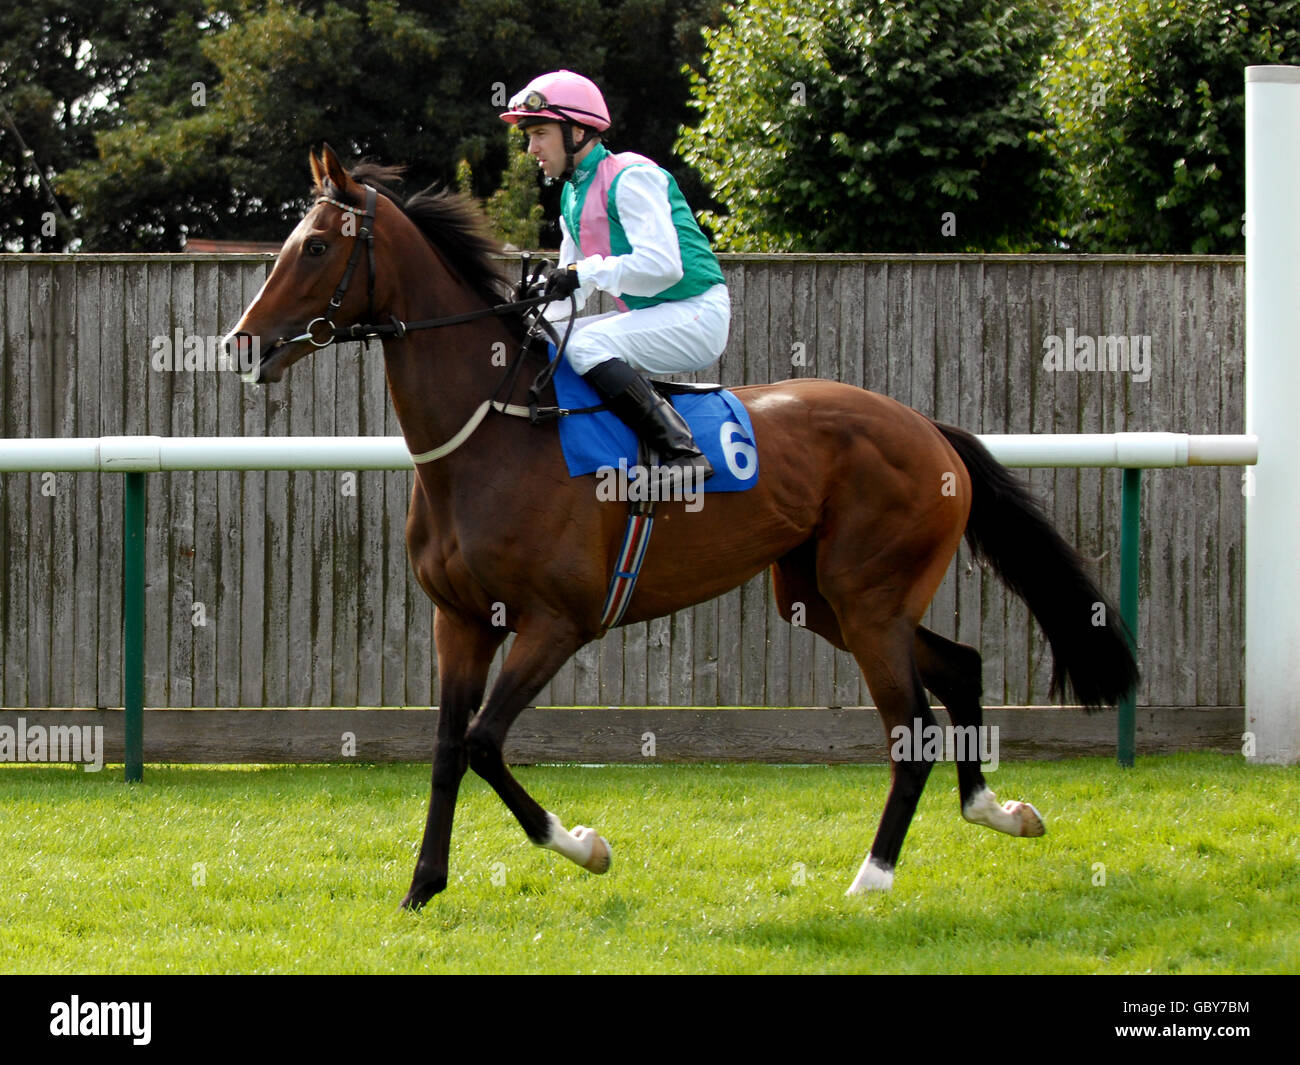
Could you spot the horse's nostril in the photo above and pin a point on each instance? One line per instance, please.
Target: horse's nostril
(242, 350)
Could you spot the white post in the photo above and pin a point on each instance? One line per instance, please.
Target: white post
(1273, 412)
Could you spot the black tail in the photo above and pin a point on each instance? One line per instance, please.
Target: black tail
(1091, 652)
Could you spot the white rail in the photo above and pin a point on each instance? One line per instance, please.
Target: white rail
(152, 454)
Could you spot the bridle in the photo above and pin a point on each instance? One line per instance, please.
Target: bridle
(398, 329)
(366, 235)
(394, 327)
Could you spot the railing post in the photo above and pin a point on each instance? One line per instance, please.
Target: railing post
(133, 624)
(1130, 527)
(1272, 585)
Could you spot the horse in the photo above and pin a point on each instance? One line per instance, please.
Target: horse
(859, 507)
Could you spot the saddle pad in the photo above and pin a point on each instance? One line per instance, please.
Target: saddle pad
(719, 421)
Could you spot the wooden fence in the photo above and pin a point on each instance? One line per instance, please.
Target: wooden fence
(287, 589)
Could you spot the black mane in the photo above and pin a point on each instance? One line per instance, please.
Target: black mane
(450, 220)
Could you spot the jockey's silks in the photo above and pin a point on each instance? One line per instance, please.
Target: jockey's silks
(590, 207)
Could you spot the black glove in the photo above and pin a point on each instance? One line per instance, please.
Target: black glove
(561, 281)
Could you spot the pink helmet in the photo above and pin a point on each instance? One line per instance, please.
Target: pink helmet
(560, 96)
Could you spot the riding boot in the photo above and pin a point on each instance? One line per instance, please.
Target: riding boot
(643, 410)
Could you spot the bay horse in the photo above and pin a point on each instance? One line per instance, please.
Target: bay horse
(859, 507)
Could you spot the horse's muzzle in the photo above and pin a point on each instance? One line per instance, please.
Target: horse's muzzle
(243, 354)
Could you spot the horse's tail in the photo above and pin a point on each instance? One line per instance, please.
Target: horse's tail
(1091, 652)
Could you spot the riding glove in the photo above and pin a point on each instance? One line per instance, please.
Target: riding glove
(562, 280)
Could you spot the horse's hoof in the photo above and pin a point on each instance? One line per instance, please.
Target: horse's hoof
(421, 894)
(871, 877)
(1031, 821)
(601, 856)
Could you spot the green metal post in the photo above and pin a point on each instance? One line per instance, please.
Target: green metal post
(1128, 602)
(133, 624)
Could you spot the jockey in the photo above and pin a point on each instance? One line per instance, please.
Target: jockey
(627, 231)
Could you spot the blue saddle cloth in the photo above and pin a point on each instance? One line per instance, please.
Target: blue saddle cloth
(718, 420)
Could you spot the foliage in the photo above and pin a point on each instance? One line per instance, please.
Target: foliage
(850, 125)
(935, 125)
(226, 156)
(211, 139)
(1150, 106)
(515, 209)
(66, 70)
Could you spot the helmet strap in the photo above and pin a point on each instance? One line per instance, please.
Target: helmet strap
(566, 134)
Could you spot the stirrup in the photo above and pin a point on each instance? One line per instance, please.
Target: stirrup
(685, 461)
(654, 420)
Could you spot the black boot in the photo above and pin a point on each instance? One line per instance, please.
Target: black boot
(643, 410)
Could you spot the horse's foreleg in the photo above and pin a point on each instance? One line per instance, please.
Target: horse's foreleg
(465, 650)
(538, 652)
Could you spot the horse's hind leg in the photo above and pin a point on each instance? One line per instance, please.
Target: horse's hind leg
(539, 650)
(953, 672)
(889, 652)
(885, 654)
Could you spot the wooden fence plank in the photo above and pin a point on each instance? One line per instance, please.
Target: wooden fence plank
(1233, 484)
(86, 568)
(182, 547)
(229, 511)
(65, 540)
(17, 501)
(252, 535)
(158, 496)
(996, 311)
(205, 327)
(40, 328)
(10, 516)
(325, 502)
(348, 489)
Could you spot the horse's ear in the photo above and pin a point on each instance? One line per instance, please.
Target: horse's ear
(317, 170)
(334, 172)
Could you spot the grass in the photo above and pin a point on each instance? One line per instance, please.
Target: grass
(720, 869)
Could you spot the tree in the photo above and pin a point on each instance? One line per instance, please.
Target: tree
(850, 125)
(66, 68)
(515, 210)
(404, 81)
(1151, 102)
(223, 153)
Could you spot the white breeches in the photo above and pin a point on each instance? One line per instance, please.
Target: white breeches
(674, 337)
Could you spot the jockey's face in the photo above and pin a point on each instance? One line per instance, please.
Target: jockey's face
(546, 145)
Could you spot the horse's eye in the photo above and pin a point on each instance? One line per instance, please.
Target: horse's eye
(316, 247)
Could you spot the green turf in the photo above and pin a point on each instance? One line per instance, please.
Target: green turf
(725, 869)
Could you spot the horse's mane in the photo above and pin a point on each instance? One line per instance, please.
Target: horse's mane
(450, 220)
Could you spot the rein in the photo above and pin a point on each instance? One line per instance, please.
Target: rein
(395, 327)
(365, 331)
